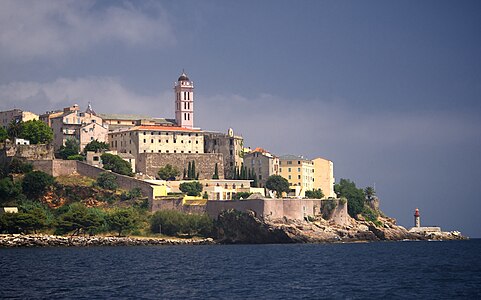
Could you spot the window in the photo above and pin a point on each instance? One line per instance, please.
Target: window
(298, 162)
(152, 141)
(196, 142)
(298, 169)
(175, 141)
(145, 141)
(288, 169)
(175, 151)
(167, 141)
(289, 176)
(289, 162)
(298, 176)
(166, 151)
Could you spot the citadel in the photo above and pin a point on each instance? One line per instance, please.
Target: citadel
(150, 143)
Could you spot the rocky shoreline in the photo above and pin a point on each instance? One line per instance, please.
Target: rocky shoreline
(40, 240)
(243, 228)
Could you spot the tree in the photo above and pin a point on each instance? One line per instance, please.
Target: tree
(96, 146)
(78, 217)
(123, 220)
(18, 166)
(171, 222)
(107, 180)
(278, 184)
(315, 194)
(193, 188)
(14, 129)
(216, 172)
(168, 172)
(192, 175)
(116, 164)
(36, 183)
(72, 147)
(36, 131)
(3, 134)
(9, 191)
(370, 192)
(355, 197)
(23, 222)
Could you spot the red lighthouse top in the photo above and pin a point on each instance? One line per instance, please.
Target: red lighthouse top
(416, 213)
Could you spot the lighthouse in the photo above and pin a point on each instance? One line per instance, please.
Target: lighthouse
(417, 218)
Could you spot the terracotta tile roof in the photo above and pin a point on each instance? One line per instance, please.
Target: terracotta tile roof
(166, 128)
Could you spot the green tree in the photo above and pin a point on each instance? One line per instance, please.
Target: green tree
(170, 222)
(216, 172)
(75, 157)
(9, 191)
(107, 180)
(123, 220)
(193, 188)
(116, 164)
(370, 192)
(3, 134)
(96, 146)
(278, 184)
(36, 131)
(168, 172)
(18, 166)
(355, 197)
(36, 183)
(192, 175)
(14, 129)
(78, 218)
(315, 194)
(72, 147)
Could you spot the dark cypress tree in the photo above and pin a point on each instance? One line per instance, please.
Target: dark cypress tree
(216, 172)
(185, 174)
(254, 182)
(193, 176)
(189, 171)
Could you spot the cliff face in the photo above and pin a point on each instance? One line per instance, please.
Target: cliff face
(236, 227)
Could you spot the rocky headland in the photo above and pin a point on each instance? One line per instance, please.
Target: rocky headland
(235, 227)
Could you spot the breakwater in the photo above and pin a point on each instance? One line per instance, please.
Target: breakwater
(40, 240)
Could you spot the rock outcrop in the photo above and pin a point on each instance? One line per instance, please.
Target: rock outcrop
(234, 227)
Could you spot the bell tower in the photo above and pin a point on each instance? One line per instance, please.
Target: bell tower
(184, 102)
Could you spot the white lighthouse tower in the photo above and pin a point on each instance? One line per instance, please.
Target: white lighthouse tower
(417, 218)
(184, 102)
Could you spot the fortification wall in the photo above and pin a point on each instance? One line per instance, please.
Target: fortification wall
(55, 167)
(124, 182)
(150, 163)
(176, 204)
(267, 208)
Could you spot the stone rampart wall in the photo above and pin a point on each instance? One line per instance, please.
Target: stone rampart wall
(267, 208)
(150, 163)
(176, 204)
(55, 167)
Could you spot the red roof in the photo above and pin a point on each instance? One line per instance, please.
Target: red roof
(165, 128)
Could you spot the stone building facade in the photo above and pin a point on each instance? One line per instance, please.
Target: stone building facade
(157, 139)
(229, 145)
(83, 126)
(324, 176)
(6, 117)
(150, 163)
(298, 171)
(263, 163)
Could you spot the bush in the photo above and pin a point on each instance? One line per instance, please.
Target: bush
(355, 196)
(24, 221)
(75, 157)
(78, 218)
(9, 191)
(173, 223)
(107, 180)
(327, 208)
(36, 183)
(277, 183)
(193, 188)
(18, 166)
(241, 195)
(96, 146)
(36, 131)
(116, 164)
(123, 220)
(315, 194)
(168, 172)
(72, 147)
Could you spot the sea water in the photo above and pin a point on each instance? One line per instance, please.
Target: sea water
(413, 270)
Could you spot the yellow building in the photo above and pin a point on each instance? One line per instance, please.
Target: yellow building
(324, 176)
(299, 171)
(6, 117)
(157, 139)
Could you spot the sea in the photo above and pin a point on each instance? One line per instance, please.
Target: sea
(389, 270)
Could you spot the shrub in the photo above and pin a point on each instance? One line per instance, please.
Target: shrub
(75, 157)
(168, 172)
(9, 191)
(76, 218)
(172, 223)
(355, 196)
(72, 147)
(116, 164)
(36, 183)
(277, 183)
(315, 194)
(123, 220)
(96, 146)
(18, 166)
(193, 188)
(107, 180)
(328, 207)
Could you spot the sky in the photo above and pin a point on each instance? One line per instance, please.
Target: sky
(390, 91)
